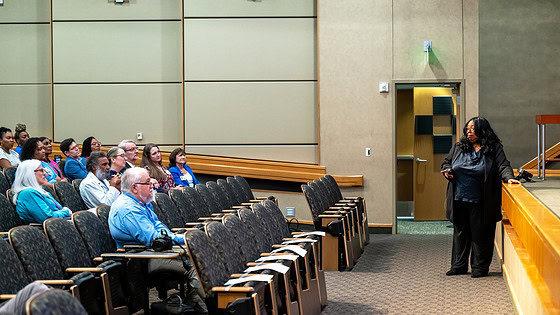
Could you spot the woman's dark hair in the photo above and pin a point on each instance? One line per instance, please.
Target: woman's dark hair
(28, 149)
(86, 146)
(173, 156)
(154, 170)
(19, 129)
(3, 131)
(486, 135)
(65, 145)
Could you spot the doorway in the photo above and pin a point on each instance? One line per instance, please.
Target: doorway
(428, 120)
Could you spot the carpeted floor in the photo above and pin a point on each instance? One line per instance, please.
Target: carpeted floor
(405, 274)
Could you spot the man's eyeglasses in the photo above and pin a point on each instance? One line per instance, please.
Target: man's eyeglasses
(150, 184)
(132, 149)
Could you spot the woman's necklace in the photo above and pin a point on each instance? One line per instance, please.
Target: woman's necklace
(476, 146)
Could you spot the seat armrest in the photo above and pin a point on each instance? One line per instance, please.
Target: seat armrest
(233, 289)
(55, 282)
(4, 297)
(84, 269)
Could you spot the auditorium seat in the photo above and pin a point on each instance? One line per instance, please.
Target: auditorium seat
(4, 184)
(76, 183)
(102, 212)
(51, 192)
(54, 302)
(69, 197)
(9, 218)
(10, 174)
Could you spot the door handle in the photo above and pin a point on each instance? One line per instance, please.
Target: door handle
(421, 160)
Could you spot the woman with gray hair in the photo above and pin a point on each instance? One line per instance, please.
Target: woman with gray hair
(33, 203)
(117, 161)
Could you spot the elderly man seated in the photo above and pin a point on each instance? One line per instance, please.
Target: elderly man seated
(132, 221)
(130, 151)
(98, 187)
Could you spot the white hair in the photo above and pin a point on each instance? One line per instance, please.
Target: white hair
(131, 176)
(123, 143)
(25, 178)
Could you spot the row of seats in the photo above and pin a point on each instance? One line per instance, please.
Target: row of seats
(343, 218)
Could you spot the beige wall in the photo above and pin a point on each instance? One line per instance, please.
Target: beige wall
(362, 43)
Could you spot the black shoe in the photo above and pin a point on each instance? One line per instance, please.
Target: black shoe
(479, 274)
(454, 272)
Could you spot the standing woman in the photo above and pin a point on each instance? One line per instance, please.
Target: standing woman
(90, 145)
(475, 167)
(151, 161)
(47, 147)
(182, 173)
(33, 203)
(21, 137)
(8, 157)
(34, 149)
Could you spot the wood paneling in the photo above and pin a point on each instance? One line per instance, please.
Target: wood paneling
(538, 231)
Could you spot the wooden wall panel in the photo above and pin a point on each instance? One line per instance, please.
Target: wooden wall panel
(117, 52)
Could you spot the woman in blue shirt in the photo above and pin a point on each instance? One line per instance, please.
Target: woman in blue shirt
(182, 173)
(75, 165)
(33, 203)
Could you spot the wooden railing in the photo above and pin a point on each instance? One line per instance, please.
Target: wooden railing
(281, 171)
(538, 231)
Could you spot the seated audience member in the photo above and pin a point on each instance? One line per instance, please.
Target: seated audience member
(34, 149)
(99, 187)
(130, 151)
(21, 137)
(75, 165)
(47, 147)
(33, 203)
(151, 160)
(90, 145)
(8, 157)
(133, 221)
(182, 173)
(117, 161)
(16, 305)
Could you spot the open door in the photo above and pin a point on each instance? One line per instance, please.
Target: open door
(435, 131)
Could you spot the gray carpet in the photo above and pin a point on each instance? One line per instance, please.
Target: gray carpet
(405, 274)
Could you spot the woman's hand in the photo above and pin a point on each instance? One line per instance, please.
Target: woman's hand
(447, 173)
(513, 181)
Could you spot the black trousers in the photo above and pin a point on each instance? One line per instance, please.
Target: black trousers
(471, 236)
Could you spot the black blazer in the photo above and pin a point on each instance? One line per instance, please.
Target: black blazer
(497, 169)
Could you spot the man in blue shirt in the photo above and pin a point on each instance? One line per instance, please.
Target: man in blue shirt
(75, 165)
(132, 221)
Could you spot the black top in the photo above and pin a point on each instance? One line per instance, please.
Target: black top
(468, 172)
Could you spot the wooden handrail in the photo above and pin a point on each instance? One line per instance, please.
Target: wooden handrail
(552, 153)
(250, 168)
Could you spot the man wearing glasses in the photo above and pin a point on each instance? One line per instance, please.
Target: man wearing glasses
(130, 151)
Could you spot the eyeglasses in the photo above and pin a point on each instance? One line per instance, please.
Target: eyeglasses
(132, 149)
(39, 170)
(150, 184)
(121, 155)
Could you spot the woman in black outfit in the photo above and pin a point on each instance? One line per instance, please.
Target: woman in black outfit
(475, 168)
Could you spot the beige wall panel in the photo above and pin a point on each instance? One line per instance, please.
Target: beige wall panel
(437, 20)
(470, 42)
(296, 200)
(115, 112)
(109, 10)
(117, 52)
(24, 56)
(286, 153)
(25, 11)
(354, 55)
(219, 8)
(250, 49)
(249, 113)
(28, 104)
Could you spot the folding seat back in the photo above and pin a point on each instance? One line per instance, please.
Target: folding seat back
(219, 195)
(313, 203)
(248, 193)
(322, 196)
(103, 215)
(277, 216)
(168, 207)
(331, 189)
(237, 190)
(326, 192)
(257, 230)
(244, 242)
(4, 184)
(53, 302)
(35, 253)
(197, 203)
(10, 174)
(61, 167)
(267, 224)
(93, 233)
(12, 273)
(161, 216)
(183, 205)
(228, 190)
(334, 186)
(225, 244)
(51, 192)
(209, 198)
(69, 197)
(8, 215)
(76, 183)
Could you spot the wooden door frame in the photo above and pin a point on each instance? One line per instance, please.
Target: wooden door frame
(460, 122)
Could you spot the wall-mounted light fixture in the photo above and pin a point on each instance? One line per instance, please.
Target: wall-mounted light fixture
(427, 49)
(1, 2)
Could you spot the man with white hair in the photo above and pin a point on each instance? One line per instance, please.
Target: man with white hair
(130, 151)
(99, 187)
